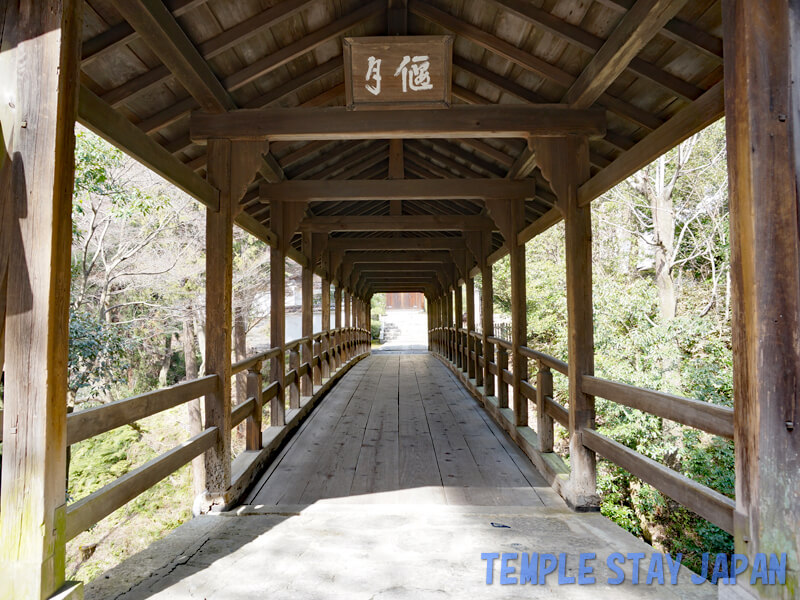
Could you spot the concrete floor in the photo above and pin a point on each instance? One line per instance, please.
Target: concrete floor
(409, 540)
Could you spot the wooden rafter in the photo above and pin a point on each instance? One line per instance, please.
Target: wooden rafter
(112, 126)
(159, 29)
(122, 33)
(639, 25)
(159, 75)
(679, 31)
(702, 113)
(515, 55)
(591, 43)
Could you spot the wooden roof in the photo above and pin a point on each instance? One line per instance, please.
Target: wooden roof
(288, 53)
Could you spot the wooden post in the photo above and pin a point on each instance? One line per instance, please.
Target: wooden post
(219, 281)
(277, 317)
(762, 71)
(337, 300)
(544, 422)
(253, 426)
(347, 309)
(326, 327)
(41, 47)
(294, 387)
(306, 383)
(459, 311)
(470, 291)
(502, 386)
(565, 162)
(519, 316)
(487, 318)
(449, 322)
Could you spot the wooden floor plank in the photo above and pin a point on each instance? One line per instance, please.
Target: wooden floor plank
(400, 428)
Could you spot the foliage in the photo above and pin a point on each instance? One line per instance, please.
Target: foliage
(378, 305)
(98, 353)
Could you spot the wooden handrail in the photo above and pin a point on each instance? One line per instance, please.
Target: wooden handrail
(546, 359)
(89, 510)
(558, 412)
(247, 363)
(499, 342)
(704, 501)
(694, 413)
(90, 422)
(241, 411)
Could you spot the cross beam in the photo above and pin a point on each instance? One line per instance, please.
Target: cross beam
(486, 121)
(346, 244)
(403, 223)
(397, 189)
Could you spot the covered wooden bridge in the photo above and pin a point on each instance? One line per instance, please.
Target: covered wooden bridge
(291, 120)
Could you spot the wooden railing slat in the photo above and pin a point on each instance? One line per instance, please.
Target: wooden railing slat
(89, 510)
(241, 411)
(550, 361)
(694, 413)
(90, 422)
(704, 501)
(559, 413)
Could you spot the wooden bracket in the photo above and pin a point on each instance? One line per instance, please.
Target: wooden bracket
(559, 160)
(246, 158)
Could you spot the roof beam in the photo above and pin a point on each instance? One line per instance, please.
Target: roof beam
(397, 223)
(207, 50)
(703, 111)
(679, 31)
(123, 33)
(161, 32)
(573, 34)
(485, 121)
(159, 29)
(396, 243)
(397, 189)
(527, 61)
(639, 25)
(405, 256)
(116, 129)
(304, 45)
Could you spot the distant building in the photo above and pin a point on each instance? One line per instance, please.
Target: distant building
(408, 300)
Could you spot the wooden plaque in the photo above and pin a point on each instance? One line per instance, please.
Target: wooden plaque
(398, 71)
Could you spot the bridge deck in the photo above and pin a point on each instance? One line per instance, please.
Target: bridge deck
(399, 429)
(391, 489)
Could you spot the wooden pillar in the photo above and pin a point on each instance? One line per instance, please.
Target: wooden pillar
(762, 70)
(337, 302)
(487, 319)
(277, 315)
(450, 320)
(459, 311)
(326, 304)
(347, 308)
(306, 383)
(519, 316)
(219, 282)
(572, 168)
(326, 326)
(41, 48)
(470, 292)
